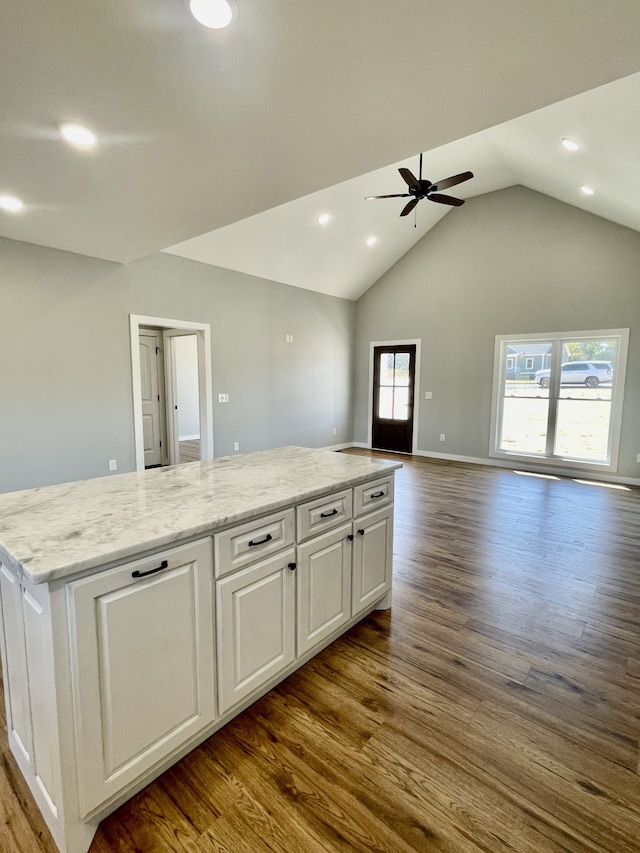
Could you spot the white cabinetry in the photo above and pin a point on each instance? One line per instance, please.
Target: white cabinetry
(323, 586)
(372, 559)
(256, 626)
(142, 663)
(115, 669)
(373, 543)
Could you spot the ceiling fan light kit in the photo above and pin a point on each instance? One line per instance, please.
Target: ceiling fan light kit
(420, 188)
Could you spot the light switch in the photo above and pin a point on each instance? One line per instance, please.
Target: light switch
(428, 395)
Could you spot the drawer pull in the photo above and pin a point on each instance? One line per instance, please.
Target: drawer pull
(377, 495)
(361, 531)
(350, 537)
(292, 566)
(163, 565)
(267, 538)
(334, 511)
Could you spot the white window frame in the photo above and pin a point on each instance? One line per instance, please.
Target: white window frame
(528, 364)
(617, 396)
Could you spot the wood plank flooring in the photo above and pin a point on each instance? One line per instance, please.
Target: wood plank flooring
(495, 707)
(190, 450)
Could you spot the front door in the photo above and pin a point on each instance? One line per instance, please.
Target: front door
(394, 368)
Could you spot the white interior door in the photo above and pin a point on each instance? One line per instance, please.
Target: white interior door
(150, 365)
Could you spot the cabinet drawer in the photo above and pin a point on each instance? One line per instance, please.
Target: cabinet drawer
(323, 514)
(370, 496)
(241, 545)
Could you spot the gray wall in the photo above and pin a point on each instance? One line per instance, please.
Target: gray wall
(65, 368)
(510, 262)
(513, 261)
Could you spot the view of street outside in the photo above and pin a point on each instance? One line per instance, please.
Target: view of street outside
(582, 428)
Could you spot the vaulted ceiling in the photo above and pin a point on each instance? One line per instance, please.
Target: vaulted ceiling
(201, 129)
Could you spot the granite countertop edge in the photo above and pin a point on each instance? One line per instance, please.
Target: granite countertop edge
(47, 570)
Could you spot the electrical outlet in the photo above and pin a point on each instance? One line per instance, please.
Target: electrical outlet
(638, 458)
(288, 339)
(335, 432)
(236, 445)
(223, 398)
(428, 395)
(113, 464)
(441, 436)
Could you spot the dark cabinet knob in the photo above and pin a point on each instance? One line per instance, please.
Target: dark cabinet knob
(350, 537)
(292, 566)
(361, 531)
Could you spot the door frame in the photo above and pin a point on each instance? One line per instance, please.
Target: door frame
(417, 342)
(205, 383)
(171, 392)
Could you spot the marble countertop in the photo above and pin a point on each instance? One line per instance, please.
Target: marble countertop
(55, 531)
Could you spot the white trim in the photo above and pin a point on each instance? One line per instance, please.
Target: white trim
(416, 387)
(338, 446)
(617, 400)
(524, 466)
(205, 383)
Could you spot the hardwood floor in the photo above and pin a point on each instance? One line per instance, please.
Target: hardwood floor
(495, 708)
(190, 450)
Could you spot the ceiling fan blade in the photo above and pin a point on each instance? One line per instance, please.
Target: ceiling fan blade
(445, 183)
(409, 178)
(394, 195)
(409, 207)
(445, 199)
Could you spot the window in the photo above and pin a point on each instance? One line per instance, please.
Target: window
(393, 398)
(528, 365)
(511, 363)
(568, 411)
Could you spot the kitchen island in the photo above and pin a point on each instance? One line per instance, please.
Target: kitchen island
(142, 612)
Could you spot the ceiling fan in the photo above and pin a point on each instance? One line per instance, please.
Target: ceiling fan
(419, 189)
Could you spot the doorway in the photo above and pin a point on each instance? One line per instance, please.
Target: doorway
(393, 396)
(187, 385)
(183, 395)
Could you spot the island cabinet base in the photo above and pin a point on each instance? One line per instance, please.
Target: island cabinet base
(115, 672)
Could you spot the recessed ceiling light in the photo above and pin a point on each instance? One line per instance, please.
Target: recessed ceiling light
(569, 144)
(78, 135)
(587, 190)
(215, 14)
(371, 241)
(323, 218)
(10, 203)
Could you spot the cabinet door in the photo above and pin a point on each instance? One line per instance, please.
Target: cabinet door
(372, 558)
(256, 626)
(143, 664)
(323, 586)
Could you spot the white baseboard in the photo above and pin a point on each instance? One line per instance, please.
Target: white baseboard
(188, 437)
(573, 474)
(339, 446)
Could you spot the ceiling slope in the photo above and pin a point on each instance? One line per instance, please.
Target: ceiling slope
(200, 129)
